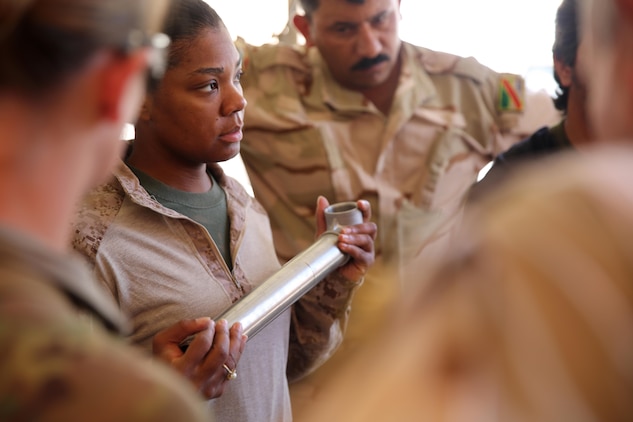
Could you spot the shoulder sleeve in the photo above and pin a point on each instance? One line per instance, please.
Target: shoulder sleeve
(275, 79)
(474, 90)
(517, 111)
(505, 93)
(272, 63)
(96, 213)
(319, 320)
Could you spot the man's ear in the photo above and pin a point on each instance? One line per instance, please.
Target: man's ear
(302, 23)
(122, 81)
(565, 72)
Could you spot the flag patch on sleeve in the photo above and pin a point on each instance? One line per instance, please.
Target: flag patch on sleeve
(511, 92)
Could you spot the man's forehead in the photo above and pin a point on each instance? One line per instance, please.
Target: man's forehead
(351, 10)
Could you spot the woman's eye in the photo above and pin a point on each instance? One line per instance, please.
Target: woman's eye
(211, 86)
(238, 76)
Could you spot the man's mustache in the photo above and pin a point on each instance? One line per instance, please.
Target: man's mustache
(366, 63)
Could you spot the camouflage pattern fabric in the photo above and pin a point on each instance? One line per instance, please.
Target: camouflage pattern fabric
(57, 361)
(306, 136)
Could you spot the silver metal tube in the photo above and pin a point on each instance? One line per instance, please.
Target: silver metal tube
(257, 309)
(276, 294)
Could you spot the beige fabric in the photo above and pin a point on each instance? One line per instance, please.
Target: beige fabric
(529, 319)
(59, 365)
(307, 136)
(163, 267)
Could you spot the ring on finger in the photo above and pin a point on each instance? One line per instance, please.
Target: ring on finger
(231, 374)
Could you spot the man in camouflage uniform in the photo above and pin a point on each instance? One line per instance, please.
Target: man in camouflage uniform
(531, 318)
(360, 114)
(70, 76)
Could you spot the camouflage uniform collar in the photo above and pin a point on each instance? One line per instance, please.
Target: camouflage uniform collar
(234, 191)
(415, 79)
(132, 187)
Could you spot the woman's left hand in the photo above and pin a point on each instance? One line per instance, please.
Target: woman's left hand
(357, 241)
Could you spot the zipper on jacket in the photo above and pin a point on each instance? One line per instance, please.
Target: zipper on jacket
(216, 251)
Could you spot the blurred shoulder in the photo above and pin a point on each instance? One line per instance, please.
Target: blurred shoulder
(257, 58)
(55, 359)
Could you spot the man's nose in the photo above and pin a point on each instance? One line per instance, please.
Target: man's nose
(368, 43)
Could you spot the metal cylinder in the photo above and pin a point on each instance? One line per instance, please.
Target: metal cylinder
(277, 293)
(265, 303)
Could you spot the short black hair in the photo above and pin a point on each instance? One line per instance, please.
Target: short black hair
(565, 45)
(184, 22)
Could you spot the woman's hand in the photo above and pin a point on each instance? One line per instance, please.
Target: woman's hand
(211, 357)
(357, 241)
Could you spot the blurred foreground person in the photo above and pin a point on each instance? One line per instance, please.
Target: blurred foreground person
(531, 318)
(71, 74)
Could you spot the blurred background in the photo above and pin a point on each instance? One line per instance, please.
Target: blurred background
(506, 35)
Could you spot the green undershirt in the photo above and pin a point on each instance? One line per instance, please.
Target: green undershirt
(208, 209)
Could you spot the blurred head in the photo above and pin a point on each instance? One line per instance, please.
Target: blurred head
(194, 115)
(43, 42)
(565, 48)
(77, 69)
(607, 65)
(358, 39)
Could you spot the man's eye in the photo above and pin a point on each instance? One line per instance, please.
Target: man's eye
(380, 19)
(342, 29)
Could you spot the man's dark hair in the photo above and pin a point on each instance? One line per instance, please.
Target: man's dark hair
(185, 20)
(310, 6)
(565, 45)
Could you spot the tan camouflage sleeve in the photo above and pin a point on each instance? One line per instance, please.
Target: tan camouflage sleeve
(319, 320)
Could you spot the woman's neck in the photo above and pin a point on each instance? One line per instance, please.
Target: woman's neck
(165, 169)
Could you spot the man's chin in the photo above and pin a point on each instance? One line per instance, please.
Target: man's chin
(367, 82)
